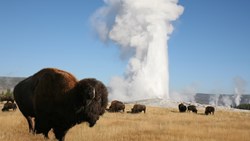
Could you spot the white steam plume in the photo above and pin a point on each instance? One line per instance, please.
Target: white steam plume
(142, 27)
(186, 94)
(240, 85)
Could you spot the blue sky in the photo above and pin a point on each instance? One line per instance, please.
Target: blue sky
(209, 47)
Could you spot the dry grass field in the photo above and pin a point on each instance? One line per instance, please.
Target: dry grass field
(158, 124)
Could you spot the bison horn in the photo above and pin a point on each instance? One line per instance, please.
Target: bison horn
(80, 110)
(93, 93)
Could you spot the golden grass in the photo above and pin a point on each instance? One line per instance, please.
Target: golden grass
(158, 124)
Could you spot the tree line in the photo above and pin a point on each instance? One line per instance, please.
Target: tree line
(8, 92)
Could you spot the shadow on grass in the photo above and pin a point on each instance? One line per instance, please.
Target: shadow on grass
(188, 113)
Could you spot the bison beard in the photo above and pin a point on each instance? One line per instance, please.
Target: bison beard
(60, 101)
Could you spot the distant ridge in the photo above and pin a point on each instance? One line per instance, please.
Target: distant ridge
(202, 98)
(220, 99)
(9, 82)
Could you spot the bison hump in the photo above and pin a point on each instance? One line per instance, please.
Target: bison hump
(53, 87)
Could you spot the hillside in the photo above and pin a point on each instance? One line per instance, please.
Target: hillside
(220, 99)
(9, 82)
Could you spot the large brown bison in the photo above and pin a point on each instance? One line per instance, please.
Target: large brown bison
(192, 108)
(8, 106)
(116, 106)
(182, 107)
(137, 108)
(59, 101)
(209, 110)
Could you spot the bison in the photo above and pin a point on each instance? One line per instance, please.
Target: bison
(116, 106)
(209, 110)
(192, 108)
(182, 107)
(137, 108)
(7, 98)
(59, 101)
(8, 106)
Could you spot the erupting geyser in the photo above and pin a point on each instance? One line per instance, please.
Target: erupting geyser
(142, 27)
(240, 85)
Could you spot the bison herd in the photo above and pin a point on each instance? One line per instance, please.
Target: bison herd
(118, 106)
(189, 108)
(55, 99)
(10, 104)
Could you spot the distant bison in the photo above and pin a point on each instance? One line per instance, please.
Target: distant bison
(209, 110)
(192, 108)
(182, 107)
(8, 106)
(59, 101)
(116, 106)
(137, 108)
(7, 98)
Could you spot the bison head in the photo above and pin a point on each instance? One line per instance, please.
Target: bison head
(92, 100)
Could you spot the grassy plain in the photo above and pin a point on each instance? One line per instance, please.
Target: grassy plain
(157, 124)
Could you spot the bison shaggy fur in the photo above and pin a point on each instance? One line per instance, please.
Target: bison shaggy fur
(182, 107)
(8, 106)
(116, 106)
(137, 108)
(60, 101)
(209, 110)
(24, 97)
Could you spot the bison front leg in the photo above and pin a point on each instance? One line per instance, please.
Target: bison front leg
(60, 133)
(42, 126)
(30, 123)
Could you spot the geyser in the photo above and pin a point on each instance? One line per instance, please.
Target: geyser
(143, 28)
(240, 85)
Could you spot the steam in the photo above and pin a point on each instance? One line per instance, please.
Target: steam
(214, 100)
(187, 94)
(227, 101)
(240, 85)
(142, 28)
(230, 100)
